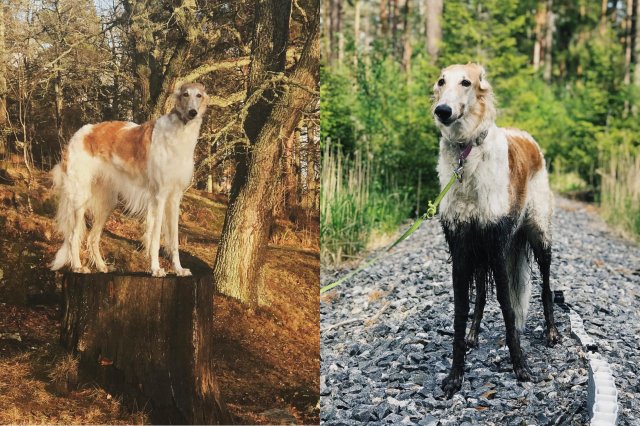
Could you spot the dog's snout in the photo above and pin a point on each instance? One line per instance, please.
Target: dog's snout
(193, 113)
(443, 112)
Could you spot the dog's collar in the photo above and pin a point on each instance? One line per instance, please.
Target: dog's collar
(473, 141)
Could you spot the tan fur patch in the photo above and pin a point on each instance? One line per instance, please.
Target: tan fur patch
(525, 159)
(119, 138)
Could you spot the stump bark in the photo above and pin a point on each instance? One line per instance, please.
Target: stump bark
(147, 339)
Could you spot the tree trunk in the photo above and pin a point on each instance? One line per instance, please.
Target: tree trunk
(356, 33)
(434, 28)
(384, 19)
(149, 340)
(289, 181)
(636, 48)
(248, 219)
(153, 78)
(311, 167)
(628, 39)
(336, 31)
(406, 41)
(541, 16)
(548, 43)
(3, 83)
(603, 16)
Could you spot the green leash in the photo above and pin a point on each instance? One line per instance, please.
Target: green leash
(431, 212)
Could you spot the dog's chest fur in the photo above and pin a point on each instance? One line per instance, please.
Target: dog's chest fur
(483, 195)
(172, 149)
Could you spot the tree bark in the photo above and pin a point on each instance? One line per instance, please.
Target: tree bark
(434, 28)
(149, 340)
(289, 175)
(603, 16)
(356, 33)
(153, 78)
(548, 44)
(628, 40)
(636, 48)
(248, 219)
(3, 83)
(406, 41)
(541, 17)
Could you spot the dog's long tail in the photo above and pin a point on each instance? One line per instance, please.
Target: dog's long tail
(520, 283)
(65, 218)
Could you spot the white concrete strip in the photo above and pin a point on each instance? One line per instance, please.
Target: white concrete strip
(602, 395)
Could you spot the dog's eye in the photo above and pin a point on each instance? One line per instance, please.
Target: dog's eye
(185, 94)
(465, 83)
(441, 82)
(199, 95)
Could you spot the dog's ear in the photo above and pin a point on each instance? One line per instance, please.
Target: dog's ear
(484, 84)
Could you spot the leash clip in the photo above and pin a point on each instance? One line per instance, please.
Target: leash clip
(459, 171)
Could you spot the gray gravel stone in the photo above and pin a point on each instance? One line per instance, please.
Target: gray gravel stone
(403, 356)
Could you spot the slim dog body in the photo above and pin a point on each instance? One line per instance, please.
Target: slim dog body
(493, 218)
(147, 166)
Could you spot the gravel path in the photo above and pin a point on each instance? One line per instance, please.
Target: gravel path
(387, 336)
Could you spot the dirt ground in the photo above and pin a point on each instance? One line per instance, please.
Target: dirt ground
(267, 359)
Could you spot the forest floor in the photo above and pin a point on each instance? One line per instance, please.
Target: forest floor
(386, 335)
(267, 359)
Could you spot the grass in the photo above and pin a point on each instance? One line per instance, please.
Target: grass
(355, 206)
(620, 193)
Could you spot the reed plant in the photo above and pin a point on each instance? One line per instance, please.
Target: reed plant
(620, 192)
(356, 203)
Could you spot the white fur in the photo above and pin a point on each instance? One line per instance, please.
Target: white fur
(93, 184)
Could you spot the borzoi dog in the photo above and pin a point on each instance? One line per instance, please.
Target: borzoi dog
(148, 166)
(499, 212)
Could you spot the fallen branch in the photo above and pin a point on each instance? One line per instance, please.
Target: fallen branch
(374, 318)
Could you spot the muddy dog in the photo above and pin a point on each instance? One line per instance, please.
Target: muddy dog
(497, 215)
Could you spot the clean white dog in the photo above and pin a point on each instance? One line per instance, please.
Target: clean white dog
(148, 166)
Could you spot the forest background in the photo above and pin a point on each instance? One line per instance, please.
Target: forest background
(568, 72)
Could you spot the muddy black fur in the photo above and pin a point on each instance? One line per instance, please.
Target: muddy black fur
(480, 254)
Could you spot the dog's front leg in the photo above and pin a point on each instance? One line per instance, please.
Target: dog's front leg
(501, 279)
(462, 275)
(154, 228)
(173, 243)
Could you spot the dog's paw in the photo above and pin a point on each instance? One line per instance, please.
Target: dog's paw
(472, 340)
(183, 272)
(522, 373)
(451, 384)
(105, 269)
(82, 270)
(553, 336)
(159, 273)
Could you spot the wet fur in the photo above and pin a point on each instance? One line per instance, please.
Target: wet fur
(494, 218)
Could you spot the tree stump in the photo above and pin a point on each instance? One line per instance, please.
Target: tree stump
(147, 339)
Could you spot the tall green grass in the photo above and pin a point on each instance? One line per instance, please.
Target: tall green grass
(620, 192)
(355, 205)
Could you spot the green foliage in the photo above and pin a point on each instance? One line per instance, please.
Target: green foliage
(354, 206)
(582, 116)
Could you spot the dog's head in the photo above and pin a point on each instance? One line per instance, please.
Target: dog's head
(462, 98)
(190, 101)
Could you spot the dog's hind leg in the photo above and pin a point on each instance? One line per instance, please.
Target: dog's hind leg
(101, 207)
(481, 275)
(501, 279)
(542, 254)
